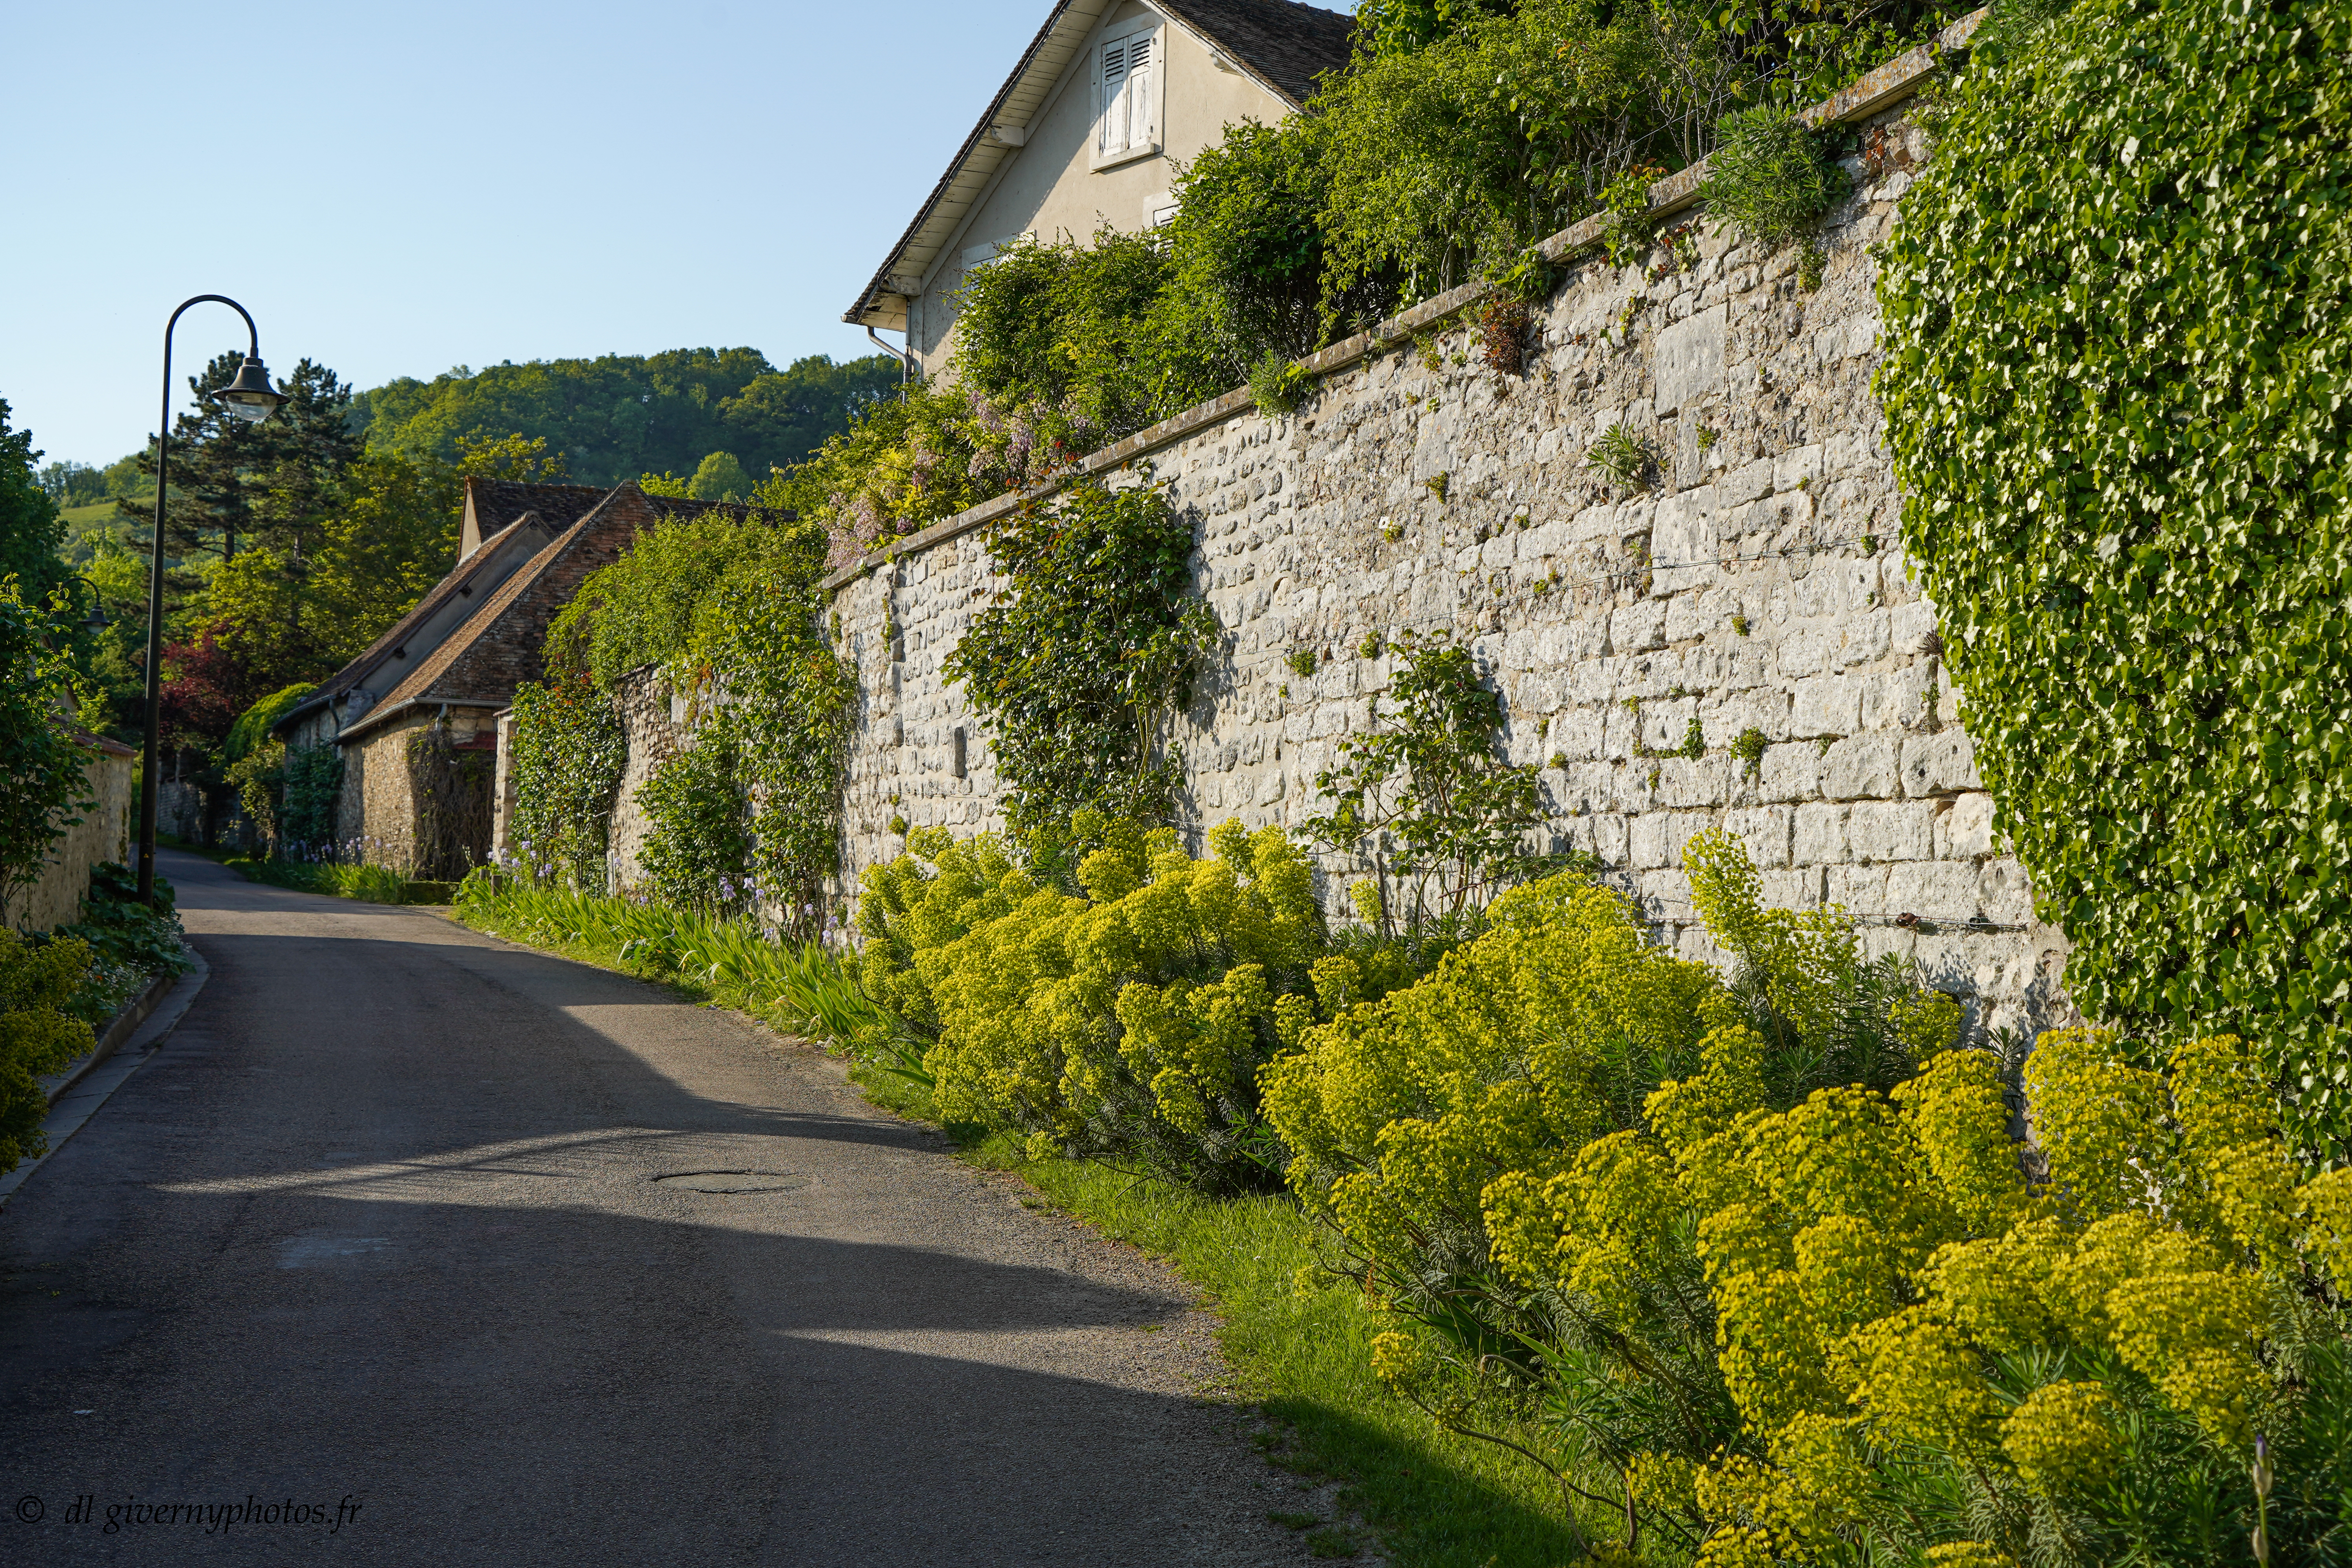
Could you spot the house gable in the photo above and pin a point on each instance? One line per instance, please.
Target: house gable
(1079, 137)
(511, 524)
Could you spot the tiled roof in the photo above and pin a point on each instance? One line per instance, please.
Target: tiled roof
(499, 646)
(498, 502)
(1288, 45)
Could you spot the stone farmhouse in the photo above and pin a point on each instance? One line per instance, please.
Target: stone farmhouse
(1107, 97)
(415, 715)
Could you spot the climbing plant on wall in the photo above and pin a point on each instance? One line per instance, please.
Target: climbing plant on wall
(2119, 387)
(313, 783)
(449, 789)
(1087, 654)
(567, 757)
(724, 603)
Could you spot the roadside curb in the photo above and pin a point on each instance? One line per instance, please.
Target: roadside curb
(60, 1083)
(78, 1097)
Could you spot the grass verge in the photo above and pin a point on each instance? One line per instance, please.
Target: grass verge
(368, 884)
(1297, 1337)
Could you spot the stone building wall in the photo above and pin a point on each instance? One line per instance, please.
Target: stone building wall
(376, 811)
(1751, 586)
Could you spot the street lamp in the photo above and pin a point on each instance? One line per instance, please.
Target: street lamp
(250, 397)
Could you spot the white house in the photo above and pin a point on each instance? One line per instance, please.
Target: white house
(1084, 132)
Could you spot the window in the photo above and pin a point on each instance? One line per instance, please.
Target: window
(1126, 100)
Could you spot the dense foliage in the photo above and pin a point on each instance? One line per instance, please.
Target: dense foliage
(568, 753)
(1086, 653)
(130, 940)
(723, 602)
(1759, 1272)
(1127, 1023)
(2116, 394)
(1462, 132)
(39, 1033)
(619, 415)
(30, 532)
(43, 781)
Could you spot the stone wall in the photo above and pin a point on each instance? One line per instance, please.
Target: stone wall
(1749, 590)
(103, 833)
(376, 812)
(655, 723)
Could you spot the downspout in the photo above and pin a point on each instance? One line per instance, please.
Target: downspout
(905, 359)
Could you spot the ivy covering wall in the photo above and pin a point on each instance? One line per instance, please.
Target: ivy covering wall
(2117, 390)
(1087, 654)
(723, 602)
(568, 753)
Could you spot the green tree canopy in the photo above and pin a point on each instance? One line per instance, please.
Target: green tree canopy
(619, 415)
(30, 532)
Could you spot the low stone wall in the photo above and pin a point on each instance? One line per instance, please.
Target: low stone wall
(1751, 594)
(102, 835)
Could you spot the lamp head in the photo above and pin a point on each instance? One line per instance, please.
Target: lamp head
(250, 397)
(97, 621)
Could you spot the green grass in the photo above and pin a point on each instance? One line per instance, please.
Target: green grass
(368, 884)
(1299, 1352)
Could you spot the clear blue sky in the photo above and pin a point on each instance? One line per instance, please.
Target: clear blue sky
(396, 190)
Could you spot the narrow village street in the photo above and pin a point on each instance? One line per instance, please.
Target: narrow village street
(492, 1258)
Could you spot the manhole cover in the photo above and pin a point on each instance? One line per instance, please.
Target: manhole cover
(732, 1181)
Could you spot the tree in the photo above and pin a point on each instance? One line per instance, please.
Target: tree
(616, 417)
(720, 478)
(236, 485)
(41, 767)
(30, 530)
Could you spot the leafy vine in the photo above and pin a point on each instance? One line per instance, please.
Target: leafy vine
(1087, 654)
(2116, 392)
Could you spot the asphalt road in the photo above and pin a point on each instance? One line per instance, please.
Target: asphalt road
(420, 1231)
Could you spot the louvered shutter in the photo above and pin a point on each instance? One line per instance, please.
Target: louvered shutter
(1142, 84)
(1110, 99)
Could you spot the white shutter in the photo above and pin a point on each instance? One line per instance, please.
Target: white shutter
(1110, 99)
(1142, 80)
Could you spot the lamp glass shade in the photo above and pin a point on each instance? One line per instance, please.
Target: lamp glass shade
(250, 397)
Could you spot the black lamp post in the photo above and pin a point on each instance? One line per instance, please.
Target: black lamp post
(248, 397)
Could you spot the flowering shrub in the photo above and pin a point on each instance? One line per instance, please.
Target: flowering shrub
(1774, 1318)
(39, 1033)
(1127, 1023)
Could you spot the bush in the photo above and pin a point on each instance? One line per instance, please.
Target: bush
(39, 1033)
(906, 463)
(1767, 176)
(130, 941)
(1087, 654)
(1126, 1025)
(2115, 388)
(697, 848)
(1780, 1313)
(1426, 803)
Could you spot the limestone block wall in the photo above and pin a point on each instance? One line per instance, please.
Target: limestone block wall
(1748, 591)
(655, 723)
(110, 774)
